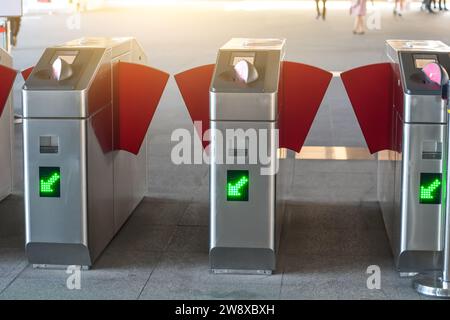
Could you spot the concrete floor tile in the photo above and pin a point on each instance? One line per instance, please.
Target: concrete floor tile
(317, 216)
(125, 263)
(297, 270)
(196, 214)
(40, 289)
(201, 195)
(335, 242)
(333, 166)
(165, 175)
(112, 264)
(11, 261)
(309, 291)
(169, 195)
(400, 291)
(13, 242)
(193, 268)
(335, 180)
(348, 290)
(143, 238)
(221, 291)
(4, 283)
(153, 212)
(12, 217)
(330, 290)
(327, 194)
(190, 239)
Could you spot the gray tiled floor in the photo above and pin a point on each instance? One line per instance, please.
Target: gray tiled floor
(324, 254)
(333, 229)
(162, 251)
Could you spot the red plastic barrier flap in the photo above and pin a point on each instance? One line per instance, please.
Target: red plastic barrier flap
(194, 87)
(140, 90)
(302, 88)
(26, 73)
(370, 89)
(7, 77)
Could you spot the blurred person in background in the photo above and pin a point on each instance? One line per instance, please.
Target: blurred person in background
(433, 4)
(398, 7)
(14, 23)
(442, 5)
(324, 9)
(359, 10)
(76, 4)
(426, 5)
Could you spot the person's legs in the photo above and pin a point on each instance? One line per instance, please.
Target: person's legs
(317, 9)
(360, 24)
(355, 25)
(428, 6)
(324, 10)
(15, 27)
(400, 7)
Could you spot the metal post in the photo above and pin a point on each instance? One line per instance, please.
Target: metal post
(439, 286)
(446, 269)
(8, 36)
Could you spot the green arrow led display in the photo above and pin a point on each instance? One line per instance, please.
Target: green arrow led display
(430, 188)
(49, 182)
(237, 185)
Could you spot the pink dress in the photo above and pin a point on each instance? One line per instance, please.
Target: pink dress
(359, 8)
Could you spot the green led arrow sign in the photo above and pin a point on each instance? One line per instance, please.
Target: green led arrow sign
(237, 185)
(49, 182)
(430, 188)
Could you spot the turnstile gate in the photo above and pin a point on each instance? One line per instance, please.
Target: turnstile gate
(401, 112)
(80, 186)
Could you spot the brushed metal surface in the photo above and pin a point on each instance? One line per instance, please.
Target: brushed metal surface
(100, 221)
(424, 109)
(243, 106)
(64, 219)
(100, 187)
(232, 100)
(244, 235)
(415, 230)
(393, 47)
(432, 287)
(421, 223)
(242, 224)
